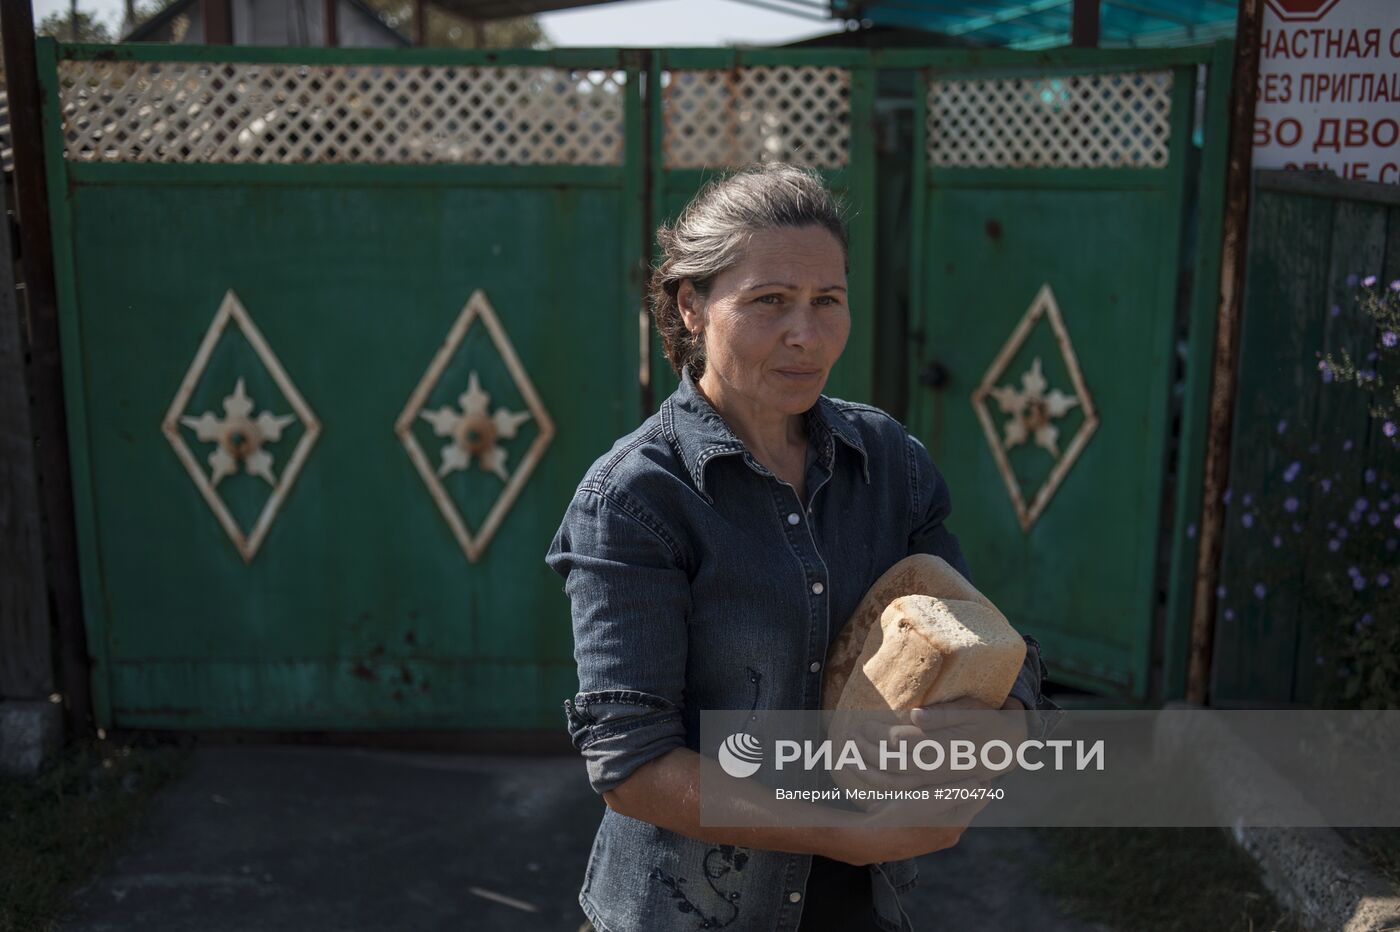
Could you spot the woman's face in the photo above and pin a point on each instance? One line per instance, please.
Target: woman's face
(776, 322)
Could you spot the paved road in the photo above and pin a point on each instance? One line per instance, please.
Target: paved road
(314, 839)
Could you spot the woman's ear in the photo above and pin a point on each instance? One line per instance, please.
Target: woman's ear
(689, 304)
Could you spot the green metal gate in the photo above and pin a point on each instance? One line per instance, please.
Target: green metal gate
(342, 329)
(340, 335)
(1061, 290)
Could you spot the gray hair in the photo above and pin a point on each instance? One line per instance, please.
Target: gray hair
(712, 232)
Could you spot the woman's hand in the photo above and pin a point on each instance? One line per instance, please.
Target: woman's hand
(959, 719)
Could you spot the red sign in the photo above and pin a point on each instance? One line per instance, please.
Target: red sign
(1301, 11)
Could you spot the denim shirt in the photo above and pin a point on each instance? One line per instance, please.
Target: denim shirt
(698, 580)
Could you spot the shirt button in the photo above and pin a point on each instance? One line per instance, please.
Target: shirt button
(793, 518)
(794, 896)
(817, 588)
(816, 665)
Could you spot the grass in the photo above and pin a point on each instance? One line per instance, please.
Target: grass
(1159, 880)
(59, 828)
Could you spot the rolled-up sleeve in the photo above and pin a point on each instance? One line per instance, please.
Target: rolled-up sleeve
(629, 598)
(930, 505)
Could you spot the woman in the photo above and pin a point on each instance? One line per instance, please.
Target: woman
(711, 556)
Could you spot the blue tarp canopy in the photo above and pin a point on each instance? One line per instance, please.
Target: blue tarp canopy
(1038, 24)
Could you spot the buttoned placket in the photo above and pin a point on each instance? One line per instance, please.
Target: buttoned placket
(816, 587)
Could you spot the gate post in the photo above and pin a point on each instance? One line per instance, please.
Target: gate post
(50, 425)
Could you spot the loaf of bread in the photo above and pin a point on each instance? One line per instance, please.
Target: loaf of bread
(922, 634)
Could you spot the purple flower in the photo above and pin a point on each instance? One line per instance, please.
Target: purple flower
(1370, 476)
(1373, 519)
(1395, 285)
(1220, 592)
(1191, 532)
(1361, 505)
(1297, 528)
(1334, 545)
(1229, 614)
(1388, 428)
(1260, 591)
(1327, 376)
(1341, 533)
(1365, 620)
(1358, 583)
(1278, 542)
(1290, 504)
(1248, 500)
(1282, 426)
(1326, 485)
(1353, 571)
(1382, 580)
(1368, 281)
(1346, 446)
(1397, 520)
(1313, 448)
(1225, 497)
(1351, 279)
(1247, 519)
(1291, 472)
(1389, 339)
(1334, 310)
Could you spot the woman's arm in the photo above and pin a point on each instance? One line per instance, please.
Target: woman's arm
(666, 792)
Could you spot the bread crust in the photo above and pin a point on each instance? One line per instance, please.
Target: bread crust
(920, 617)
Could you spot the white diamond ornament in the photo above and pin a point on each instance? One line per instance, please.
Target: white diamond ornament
(239, 438)
(474, 430)
(1032, 410)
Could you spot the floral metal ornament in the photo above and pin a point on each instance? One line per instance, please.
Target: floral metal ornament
(239, 437)
(474, 430)
(1033, 410)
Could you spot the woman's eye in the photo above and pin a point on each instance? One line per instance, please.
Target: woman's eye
(767, 296)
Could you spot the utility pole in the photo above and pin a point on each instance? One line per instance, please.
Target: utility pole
(1234, 240)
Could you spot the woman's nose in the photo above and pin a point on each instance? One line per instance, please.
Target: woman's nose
(803, 329)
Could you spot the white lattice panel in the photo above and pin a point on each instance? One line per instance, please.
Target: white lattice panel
(757, 114)
(287, 113)
(1076, 121)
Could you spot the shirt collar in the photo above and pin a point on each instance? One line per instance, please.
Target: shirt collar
(699, 434)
